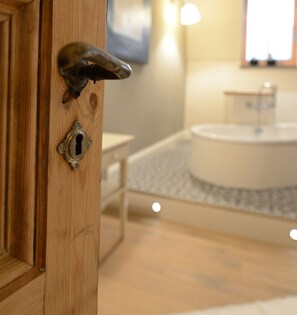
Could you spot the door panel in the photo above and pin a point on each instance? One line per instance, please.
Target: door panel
(28, 300)
(22, 109)
(19, 29)
(21, 282)
(4, 49)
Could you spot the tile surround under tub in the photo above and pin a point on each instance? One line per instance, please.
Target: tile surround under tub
(166, 173)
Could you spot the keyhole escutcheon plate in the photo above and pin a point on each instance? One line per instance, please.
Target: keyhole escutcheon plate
(75, 145)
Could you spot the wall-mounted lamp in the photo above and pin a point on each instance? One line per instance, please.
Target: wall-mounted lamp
(189, 14)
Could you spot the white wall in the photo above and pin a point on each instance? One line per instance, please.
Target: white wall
(150, 104)
(213, 50)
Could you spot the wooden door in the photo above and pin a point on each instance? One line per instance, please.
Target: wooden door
(49, 214)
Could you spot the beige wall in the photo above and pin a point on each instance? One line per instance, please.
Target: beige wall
(150, 104)
(213, 66)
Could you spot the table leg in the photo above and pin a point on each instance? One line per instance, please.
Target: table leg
(123, 198)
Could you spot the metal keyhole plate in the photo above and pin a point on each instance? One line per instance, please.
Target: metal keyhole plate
(75, 145)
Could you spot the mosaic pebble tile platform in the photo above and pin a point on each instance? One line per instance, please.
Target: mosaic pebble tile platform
(166, 173)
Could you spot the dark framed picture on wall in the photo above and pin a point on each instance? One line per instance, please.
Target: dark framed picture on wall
(128, 29)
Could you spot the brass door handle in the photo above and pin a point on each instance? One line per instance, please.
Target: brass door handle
(74, 67)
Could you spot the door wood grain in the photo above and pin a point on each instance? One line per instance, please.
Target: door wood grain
(73, 200)
(49, 214)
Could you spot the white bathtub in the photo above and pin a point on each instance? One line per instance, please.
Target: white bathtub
(236, 156)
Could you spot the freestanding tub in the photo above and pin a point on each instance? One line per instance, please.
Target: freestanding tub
(241, 156)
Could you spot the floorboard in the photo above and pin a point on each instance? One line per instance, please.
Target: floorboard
(163, 268)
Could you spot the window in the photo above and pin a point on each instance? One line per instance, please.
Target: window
(270, 33)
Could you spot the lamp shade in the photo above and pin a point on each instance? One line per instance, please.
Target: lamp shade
(189, 14)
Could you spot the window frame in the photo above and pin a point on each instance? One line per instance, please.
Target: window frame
(263, 63)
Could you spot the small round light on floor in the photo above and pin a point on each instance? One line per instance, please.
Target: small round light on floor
(293, 234)
(156, 207)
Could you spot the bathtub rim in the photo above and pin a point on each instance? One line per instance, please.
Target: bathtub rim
(244, 140)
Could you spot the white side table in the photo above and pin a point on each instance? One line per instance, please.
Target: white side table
(115, 149)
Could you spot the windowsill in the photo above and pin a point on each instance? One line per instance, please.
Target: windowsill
(248, 93)
(264, 66)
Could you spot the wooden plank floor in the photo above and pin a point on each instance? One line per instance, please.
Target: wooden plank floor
(163, 268)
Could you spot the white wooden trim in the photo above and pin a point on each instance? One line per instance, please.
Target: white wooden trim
(239, 223)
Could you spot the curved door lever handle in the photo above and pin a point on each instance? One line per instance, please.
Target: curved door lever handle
(73, 64)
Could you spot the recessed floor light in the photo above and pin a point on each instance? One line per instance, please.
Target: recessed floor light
(293, 234)
(156, 207)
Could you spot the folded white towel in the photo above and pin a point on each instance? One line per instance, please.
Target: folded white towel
(281, 306)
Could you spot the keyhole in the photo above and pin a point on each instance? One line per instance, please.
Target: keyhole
(78, 147)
